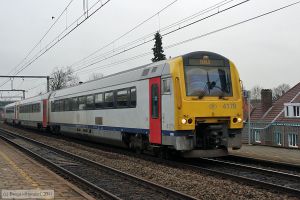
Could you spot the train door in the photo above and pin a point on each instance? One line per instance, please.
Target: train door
(155, 110)
(45, 113)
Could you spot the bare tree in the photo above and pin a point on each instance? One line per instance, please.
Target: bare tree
(280, 90)
(95, 76)
(255, 92)
(61, 78)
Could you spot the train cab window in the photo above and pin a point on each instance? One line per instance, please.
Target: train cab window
(166, 88)
(90, 102)
(133, 97)
(98, 101)
(122, 98)
(74, 103)
(109, 99)
(82, 103)
(155, 99)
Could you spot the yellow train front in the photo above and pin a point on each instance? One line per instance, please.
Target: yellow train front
(207, 104)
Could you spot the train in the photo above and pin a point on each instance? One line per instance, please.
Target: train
(190, 104)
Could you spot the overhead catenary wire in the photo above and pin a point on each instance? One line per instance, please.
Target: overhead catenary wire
(202, 35)
(126, 33)
(150, 40)
(144, 38)
(62, 35)
(43, 37)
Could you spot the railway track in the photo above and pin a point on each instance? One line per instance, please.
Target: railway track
(273, 165)
(277, 177)
(262, 174)
(103, 182)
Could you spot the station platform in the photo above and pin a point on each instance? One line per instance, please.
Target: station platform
(20, 172)
(290, 156)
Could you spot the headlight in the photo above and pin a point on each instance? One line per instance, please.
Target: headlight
(239, 120)
(183, 121)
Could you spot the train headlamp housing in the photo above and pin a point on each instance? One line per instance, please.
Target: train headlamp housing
(183, 121)
(239, 120)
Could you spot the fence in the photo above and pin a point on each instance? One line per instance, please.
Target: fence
(272, 134)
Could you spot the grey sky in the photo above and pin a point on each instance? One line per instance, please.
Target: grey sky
(265, 51)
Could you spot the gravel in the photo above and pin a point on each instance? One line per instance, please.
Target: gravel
(191, 182)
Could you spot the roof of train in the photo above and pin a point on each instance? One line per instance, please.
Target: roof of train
(135, 74)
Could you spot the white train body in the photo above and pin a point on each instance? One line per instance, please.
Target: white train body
(148, 107)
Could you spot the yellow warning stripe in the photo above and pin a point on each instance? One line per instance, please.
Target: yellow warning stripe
(20, 171)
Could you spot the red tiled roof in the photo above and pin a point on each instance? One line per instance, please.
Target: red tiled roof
(275, 113)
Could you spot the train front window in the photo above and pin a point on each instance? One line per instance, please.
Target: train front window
(207, 81)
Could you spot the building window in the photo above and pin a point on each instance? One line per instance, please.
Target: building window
(292, 109)
(293, 140)
(277, 138)
(257, 136)
(296, 111)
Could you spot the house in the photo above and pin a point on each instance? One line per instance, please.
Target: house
(275, 123)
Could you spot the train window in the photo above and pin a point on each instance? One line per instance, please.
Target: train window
(38, 107)
(132, 97)
(122, 98)
(109, 99)
(155, 96)
(35, 107)
(74, 103)
(52, 106)
(145, 72)
(61, 105)
(82, 103)
(56, 106)
(90, 102)
(166, 86)
(98, 100)
(67, 105)
(153, 69)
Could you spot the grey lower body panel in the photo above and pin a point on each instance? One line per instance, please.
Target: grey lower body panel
(95, 135)
(235, 142)
(180, 143)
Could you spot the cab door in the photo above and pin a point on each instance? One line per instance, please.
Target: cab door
(155, 110)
